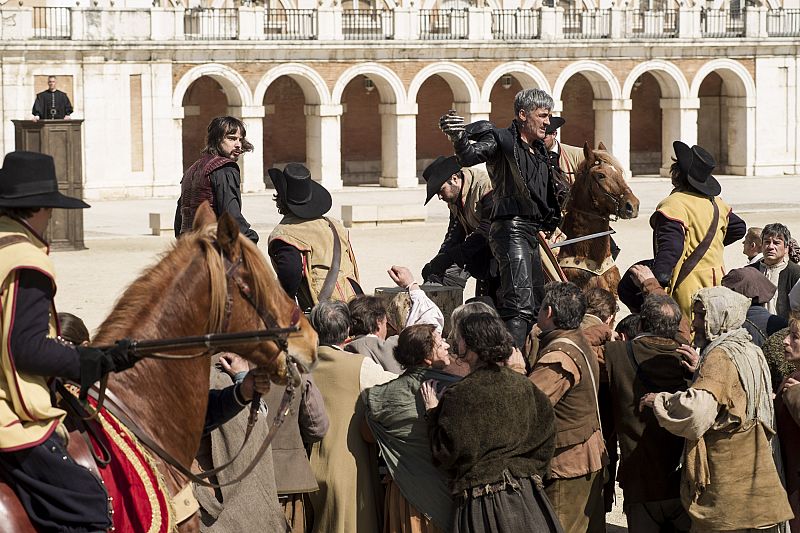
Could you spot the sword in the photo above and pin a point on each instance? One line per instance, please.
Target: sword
(581, 239)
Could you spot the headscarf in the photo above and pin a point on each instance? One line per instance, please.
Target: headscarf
(725, 313)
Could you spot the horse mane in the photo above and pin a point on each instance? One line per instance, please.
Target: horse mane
(263, 277)
(137, 300)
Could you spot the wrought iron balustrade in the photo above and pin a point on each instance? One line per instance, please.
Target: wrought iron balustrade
(515, 24)
(211, 23)
(656, 24)
(436, 24)
(290, 24)
(52, 23)
(783, 23)
(721, 23)
(367, 24)
(587, 23)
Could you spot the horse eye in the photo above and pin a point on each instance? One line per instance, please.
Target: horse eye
(597, 162)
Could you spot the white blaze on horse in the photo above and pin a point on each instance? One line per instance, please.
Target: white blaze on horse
(599, 196)
(212, 280)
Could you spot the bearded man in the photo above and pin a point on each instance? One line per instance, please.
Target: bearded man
(465, 250)
(729, 480)
(524, 200)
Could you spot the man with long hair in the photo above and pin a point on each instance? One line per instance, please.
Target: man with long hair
(215, 177)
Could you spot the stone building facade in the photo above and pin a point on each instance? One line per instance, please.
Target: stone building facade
(357, 96)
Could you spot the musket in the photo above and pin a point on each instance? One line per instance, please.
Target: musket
(581, 239)
(209, 341)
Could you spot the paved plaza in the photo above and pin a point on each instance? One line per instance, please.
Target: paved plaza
(119, 245)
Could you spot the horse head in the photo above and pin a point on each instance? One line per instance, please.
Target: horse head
(252, 299)
(600, 183)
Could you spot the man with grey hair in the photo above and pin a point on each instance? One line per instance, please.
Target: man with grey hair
(524, 199)
(341, 460)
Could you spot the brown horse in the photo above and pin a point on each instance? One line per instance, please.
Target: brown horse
(187, 293)
(598, 196)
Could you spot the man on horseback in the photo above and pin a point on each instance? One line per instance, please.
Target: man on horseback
(465, 250)
(57, 493)
(524, 200)
(568, 157)
(215, 177)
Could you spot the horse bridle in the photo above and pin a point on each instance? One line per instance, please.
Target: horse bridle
(617, 200)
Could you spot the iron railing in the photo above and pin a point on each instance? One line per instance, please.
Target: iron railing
(290, 24)
(783, 22)
(367, 24)
(211, 23)
(515, 24)
(659, 24)
(435, 24)
(587, 23)
(52, 23)
(721, 23)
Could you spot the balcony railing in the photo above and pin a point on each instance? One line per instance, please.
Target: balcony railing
(435, 24)
(290, 24)
(720, 23)
(52, 23)
(515, 24)
(211, 23)
(367, 24)
(587, 24)
(662, 24)
(783, 23)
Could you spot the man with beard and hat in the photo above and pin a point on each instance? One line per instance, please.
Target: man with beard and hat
(57, 493)
(691, 227)
(729, 479)
(311, 253)
(568, 157)
(465, 250)
(215, 177)
(524, 200)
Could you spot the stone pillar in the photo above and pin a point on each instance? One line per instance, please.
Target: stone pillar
(689, 26)
(166, 24)
(612, 126)
(473, 111)
(251, 23)
(755, 22)
(324, 144)
(738, 139)
(618, 28)
(678, 123)
(102, 121)
(77, 22)
(398, 145)
(406, 24)
(480, 24)
(329, 23)
(164, 130)
(18, 95)
(551, 23)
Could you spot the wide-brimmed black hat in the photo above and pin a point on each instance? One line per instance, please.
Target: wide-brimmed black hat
(697, 164)
(555, 123)
(303, 196)
(439, 172)
(28, 179)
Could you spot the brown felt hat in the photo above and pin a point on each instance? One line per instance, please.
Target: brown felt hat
(750, 282)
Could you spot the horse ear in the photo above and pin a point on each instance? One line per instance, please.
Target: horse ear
(203, 216)
(227, 234)
(587, 151)
(602, 147)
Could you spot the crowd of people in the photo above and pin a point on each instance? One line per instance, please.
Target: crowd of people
(520, 412)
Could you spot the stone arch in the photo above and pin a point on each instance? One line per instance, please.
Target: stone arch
(669, 77)
(234, 85)
(604, 84)
(732, 72)
(388, 83)
(314, 88)
(527, 74)
(461, 82)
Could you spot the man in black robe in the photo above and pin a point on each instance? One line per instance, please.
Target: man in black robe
(51, 104)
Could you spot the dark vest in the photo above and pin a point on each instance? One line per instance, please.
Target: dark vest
(650, 463)
(196, 187)
(293, 473)
(576, 412)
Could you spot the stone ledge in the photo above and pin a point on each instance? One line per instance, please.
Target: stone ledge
(375, 215)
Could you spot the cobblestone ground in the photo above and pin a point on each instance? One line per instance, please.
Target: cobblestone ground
(118, 245)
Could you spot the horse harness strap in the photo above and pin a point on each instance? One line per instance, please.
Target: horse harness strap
(115, 406)
(589, 265)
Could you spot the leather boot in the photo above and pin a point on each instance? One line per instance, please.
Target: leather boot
(519, 328)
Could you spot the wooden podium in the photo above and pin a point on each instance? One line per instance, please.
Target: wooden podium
(60, 139)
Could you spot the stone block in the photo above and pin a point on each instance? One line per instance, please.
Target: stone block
(359, 215)
(373, 215)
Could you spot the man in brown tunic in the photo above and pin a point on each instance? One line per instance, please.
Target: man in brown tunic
(568, 373)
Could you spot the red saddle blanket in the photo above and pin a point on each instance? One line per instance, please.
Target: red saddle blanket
(139, 497)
